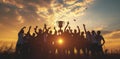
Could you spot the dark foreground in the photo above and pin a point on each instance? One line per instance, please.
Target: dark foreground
(6, 55)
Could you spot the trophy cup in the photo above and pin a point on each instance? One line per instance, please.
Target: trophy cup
(60, 25)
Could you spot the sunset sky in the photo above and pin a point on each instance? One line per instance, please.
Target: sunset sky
(101, 15)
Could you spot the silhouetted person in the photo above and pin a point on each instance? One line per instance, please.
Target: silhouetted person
(100, 42)
(83, 43)
(32, 44)
(93, 43)
(20, 42)
(43, 42)
(27, 43)
(62, 34)
(88, 40)
(72, 42)
(55, 36)
(76, 38)
(39, 42)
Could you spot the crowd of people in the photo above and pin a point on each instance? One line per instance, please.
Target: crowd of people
(45, 41)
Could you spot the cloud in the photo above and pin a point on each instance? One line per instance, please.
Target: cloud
(112, 34)
(100, 27)
(42, 10)
(17, 13)
(20, 19)
(8, 14)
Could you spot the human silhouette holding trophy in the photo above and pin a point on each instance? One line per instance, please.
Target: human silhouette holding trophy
(60, 25)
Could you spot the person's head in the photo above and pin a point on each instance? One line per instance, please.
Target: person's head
(45, 26)
(75, 31)
(82, 33)
(50, 32)
(40, 30)
(67, 30)
(88, 32)
(93, 32)
(98, 32)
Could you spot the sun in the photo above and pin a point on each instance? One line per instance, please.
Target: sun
(60, 41)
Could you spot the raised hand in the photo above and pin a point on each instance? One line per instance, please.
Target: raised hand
(24, 27)
(35, 27)
(30, 27)
(84, 25)
(49, 28)
(68, 22)
(45, 25)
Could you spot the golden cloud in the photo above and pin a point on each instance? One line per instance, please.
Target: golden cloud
(47, 10)
(20, 19)
(16, 13)
(70, 1)
(113, 35)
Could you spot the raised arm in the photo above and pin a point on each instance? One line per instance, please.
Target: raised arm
(29, 30)
(69, 28)
(46, 28)
(66, 26)
(22, 29)
(78, 29)
(84, 28)
(36, 29)
(55, 30)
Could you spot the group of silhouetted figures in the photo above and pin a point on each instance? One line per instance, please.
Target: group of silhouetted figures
(46, 42)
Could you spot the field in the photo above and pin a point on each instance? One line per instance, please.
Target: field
(9, 53)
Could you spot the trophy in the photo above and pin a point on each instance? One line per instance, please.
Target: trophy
(60, 24)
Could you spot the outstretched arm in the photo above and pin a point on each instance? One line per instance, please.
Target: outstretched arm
(45, 28)
(29, 30)
(36, 29)
(78, 29)
(22, 29)
(84, 28)
(48, 28)
(70, 29)
(66, 26)
(55, 30)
